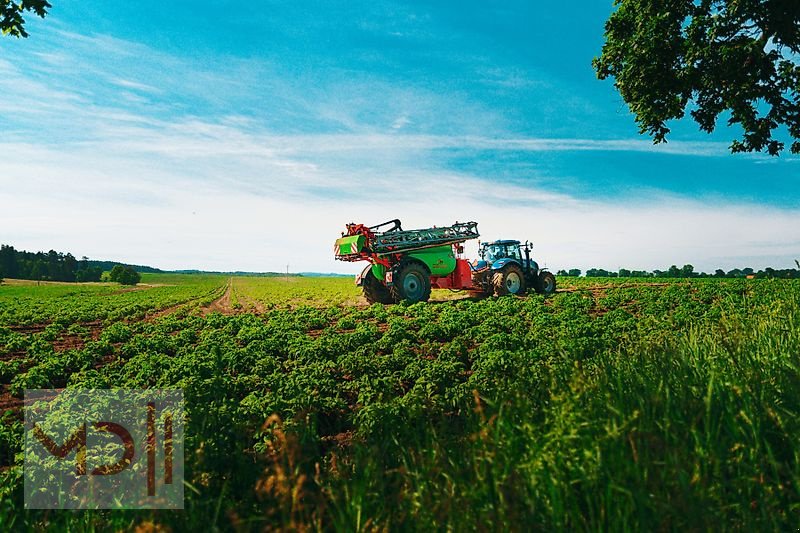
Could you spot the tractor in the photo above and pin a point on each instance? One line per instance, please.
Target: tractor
(502, 269)
(406, 264)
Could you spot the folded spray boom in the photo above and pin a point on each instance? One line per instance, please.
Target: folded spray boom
(360, 241)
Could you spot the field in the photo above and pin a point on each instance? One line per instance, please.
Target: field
(614, 404)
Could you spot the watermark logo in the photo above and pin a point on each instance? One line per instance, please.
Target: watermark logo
(103, 449)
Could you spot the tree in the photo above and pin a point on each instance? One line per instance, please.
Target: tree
(124, 275)
(36, 271)
(131, 277)
(8, 261)
(735, 273)
(575, 272)
(116, 273)
(735, 58)
(11, 11)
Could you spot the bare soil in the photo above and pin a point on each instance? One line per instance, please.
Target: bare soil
(221, 304)
(66, 341)
(29, 329)
(8, 402)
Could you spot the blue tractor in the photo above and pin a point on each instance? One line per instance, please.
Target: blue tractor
(506, 267)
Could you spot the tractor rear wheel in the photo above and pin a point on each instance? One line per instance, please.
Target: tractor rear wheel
(412, 284)
(547, 283)
(374, 291)
(509, 280)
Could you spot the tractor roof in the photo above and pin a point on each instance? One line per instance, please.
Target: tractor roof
(504, 242)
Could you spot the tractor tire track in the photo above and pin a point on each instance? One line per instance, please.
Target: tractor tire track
(222, 304)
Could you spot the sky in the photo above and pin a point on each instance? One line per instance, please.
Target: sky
(230, 136)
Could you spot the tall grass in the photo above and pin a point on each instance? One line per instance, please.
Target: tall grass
(700, 433)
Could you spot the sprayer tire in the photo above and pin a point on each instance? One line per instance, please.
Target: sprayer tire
(411, 284)
(374, 291)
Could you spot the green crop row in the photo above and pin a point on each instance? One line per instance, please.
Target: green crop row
(69, 303)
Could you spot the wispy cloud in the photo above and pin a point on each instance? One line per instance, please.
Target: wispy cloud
(400, 122)
(135, 85)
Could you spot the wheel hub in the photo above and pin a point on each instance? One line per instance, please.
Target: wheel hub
(412, 287)
(513, 283)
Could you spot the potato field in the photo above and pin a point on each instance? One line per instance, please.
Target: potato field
(614, 404)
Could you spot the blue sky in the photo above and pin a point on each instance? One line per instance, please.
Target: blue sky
(200, 134)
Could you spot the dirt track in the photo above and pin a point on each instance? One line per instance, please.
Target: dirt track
(221, 304)
(224, 304)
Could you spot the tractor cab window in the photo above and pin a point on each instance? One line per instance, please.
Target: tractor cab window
(495, 252)
(502, 251)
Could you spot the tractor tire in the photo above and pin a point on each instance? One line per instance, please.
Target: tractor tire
(546, 284)
(374, 291)
(509, 280)
(411, 284)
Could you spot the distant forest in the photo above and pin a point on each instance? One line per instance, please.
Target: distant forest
(687, 271)
(53, 266)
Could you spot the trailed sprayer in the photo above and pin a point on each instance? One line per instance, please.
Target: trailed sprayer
(407, 264)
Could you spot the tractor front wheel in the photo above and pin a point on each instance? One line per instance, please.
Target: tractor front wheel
(412, 284)
(547, 283)
(374, 290)
(509, 280)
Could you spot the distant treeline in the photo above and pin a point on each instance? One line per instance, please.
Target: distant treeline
(53, 266)
(687, 271)
(106, 266)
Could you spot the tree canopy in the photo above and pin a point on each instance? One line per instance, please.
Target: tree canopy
(739, 59)
(11, 11)
(124, 275)
(51, 266)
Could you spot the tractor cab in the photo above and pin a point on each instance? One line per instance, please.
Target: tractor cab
(494, 251)
(498, 254)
